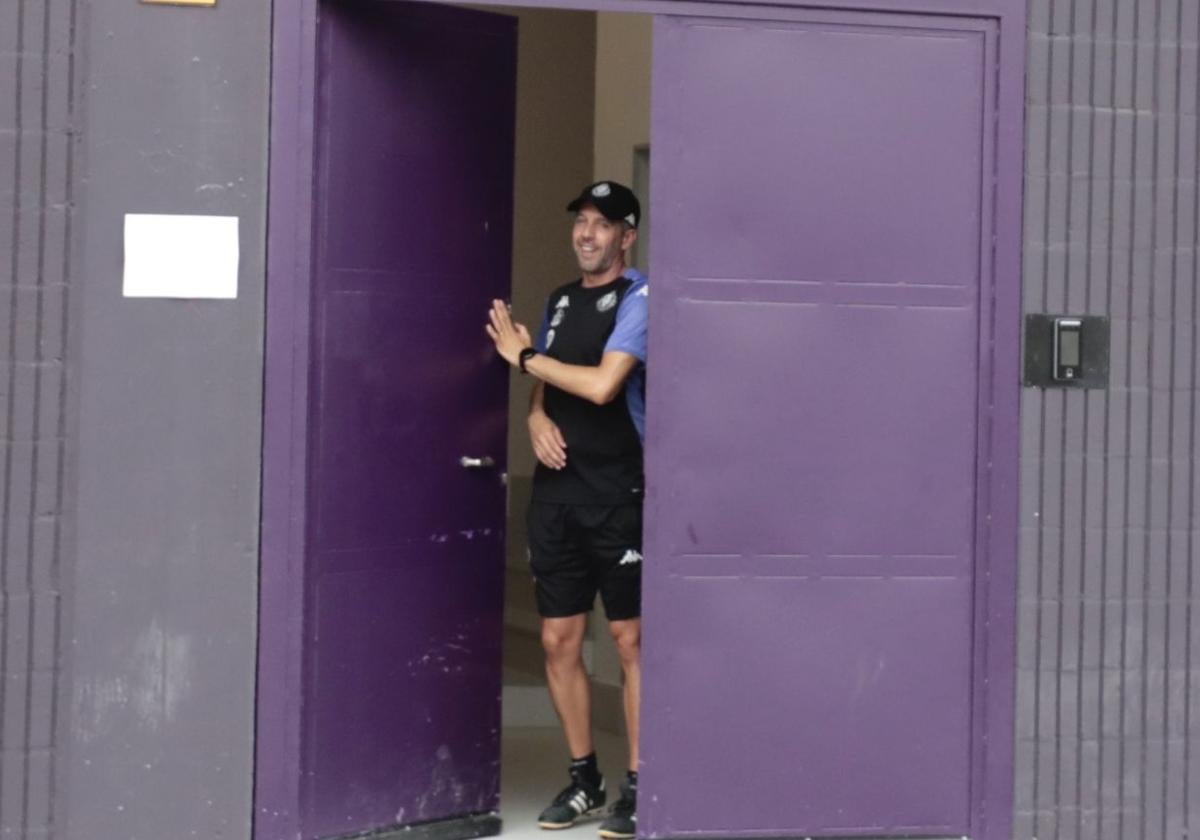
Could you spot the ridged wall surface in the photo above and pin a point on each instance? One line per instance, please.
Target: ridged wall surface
(1109, 651)
(37, 85)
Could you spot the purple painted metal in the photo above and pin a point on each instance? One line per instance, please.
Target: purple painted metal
(825, 552)
(767, 593)
(396, 711)
(285, 422)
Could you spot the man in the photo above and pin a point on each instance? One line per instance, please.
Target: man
(586, 425)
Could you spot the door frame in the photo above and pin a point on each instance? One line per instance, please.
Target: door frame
(290, 226)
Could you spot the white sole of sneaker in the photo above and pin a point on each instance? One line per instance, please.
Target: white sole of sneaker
(615, 835)
(595, 812)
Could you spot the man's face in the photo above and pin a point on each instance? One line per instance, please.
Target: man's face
(598, 242)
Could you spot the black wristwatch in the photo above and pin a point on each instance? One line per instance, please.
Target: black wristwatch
(526, 354)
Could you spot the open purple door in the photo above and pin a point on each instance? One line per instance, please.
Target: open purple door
(818, 450)
(398, 706)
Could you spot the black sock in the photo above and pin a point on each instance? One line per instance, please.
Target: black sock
(586, 769)
(631, 779)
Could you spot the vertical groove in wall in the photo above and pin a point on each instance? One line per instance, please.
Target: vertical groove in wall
(1193, 594)
(37, 108)
(1106, 740)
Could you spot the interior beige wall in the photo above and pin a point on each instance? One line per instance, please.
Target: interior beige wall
(623, 44)
(622, 92)
(555, 111)
(556, 65)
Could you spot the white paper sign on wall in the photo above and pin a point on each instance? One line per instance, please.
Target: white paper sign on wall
(175, 256)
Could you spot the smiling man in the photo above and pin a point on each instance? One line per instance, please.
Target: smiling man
(586, 426)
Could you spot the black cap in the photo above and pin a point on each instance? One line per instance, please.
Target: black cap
(616, 201)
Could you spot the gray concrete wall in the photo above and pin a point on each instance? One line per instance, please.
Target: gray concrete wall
(37, 114)
(162, 641)
(1109, 654)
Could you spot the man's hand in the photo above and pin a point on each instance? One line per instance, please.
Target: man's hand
(510, 338)
(548, 443)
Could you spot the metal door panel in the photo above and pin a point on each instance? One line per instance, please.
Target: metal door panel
(823, 202)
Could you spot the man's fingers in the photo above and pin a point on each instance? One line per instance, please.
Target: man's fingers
(552, 447)
(545, 452)
(548, 458)
(500, 316)
(559, 439)
(491, 331)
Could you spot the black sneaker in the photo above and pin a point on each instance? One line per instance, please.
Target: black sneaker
(622, 822)
(575, 801)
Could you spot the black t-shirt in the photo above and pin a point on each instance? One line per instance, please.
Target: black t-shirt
(604, 442)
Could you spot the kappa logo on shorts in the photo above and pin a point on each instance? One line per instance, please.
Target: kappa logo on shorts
(631, 557)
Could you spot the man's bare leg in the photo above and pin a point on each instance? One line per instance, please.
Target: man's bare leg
(628, 637)
(567, 678)
(622, 820)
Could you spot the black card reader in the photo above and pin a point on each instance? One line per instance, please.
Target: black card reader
(1068, 349)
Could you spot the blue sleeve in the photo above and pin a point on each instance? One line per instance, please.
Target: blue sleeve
(629, 334)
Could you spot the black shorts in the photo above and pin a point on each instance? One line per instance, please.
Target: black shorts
(576, 551)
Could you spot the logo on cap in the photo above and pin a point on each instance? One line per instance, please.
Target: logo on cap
(601, 190)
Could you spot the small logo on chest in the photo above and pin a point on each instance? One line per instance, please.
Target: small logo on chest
(607, 302)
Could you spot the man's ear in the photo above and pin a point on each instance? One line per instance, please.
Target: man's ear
(628, 238)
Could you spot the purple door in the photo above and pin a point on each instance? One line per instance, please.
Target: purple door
(404, 561)
(822, 267)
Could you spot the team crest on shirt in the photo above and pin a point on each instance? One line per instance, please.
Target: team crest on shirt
(607, 302)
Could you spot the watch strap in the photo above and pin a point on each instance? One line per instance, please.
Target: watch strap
(525, 355)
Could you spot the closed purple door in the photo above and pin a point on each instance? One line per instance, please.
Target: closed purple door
(822, 266)
(404, 558)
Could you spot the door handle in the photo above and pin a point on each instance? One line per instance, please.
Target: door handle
(469, 463)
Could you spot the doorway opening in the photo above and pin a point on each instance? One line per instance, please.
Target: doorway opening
(582, 115)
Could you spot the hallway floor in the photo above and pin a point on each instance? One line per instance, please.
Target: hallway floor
(534, 768)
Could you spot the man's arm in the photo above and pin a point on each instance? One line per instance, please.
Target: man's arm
(599, 384)
(548, 443)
